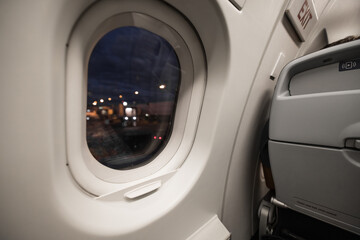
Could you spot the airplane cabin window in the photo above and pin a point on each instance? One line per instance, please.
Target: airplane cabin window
(133, 81)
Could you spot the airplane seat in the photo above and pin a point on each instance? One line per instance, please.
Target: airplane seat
(314, 136)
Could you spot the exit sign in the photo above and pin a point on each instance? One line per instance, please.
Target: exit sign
(303, 17)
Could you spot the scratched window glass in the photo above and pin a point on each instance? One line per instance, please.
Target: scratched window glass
(133, 82)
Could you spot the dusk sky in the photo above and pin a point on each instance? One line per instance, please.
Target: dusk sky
(130, 59)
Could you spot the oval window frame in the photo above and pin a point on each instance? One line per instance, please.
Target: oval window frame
(151, 24)
(100, 19)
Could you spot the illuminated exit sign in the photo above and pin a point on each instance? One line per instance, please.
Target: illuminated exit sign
(302, 15)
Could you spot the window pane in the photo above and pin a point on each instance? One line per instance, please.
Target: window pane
(133, 82)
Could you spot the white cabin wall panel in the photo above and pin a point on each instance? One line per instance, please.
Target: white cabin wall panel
(158, 215)
(195, 193)
(249, 37)
(320, 6)
(128, 219)
(40, 199)
(213, 229)
(21, 156)
(225, 98)
(339, 19)
(32, 87)
(239, 192)
(342, 19)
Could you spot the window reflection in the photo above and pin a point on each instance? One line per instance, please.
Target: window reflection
(133, 81)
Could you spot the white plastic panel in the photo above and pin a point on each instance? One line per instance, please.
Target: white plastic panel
(320, 6)
(326, 79)
(331, 27)
(137, 190)
(213, 229)
(40, 199)
(326, 118)
(164, 21)
(343, 26)
(279, 64)
(240, 205)
(320, 182)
